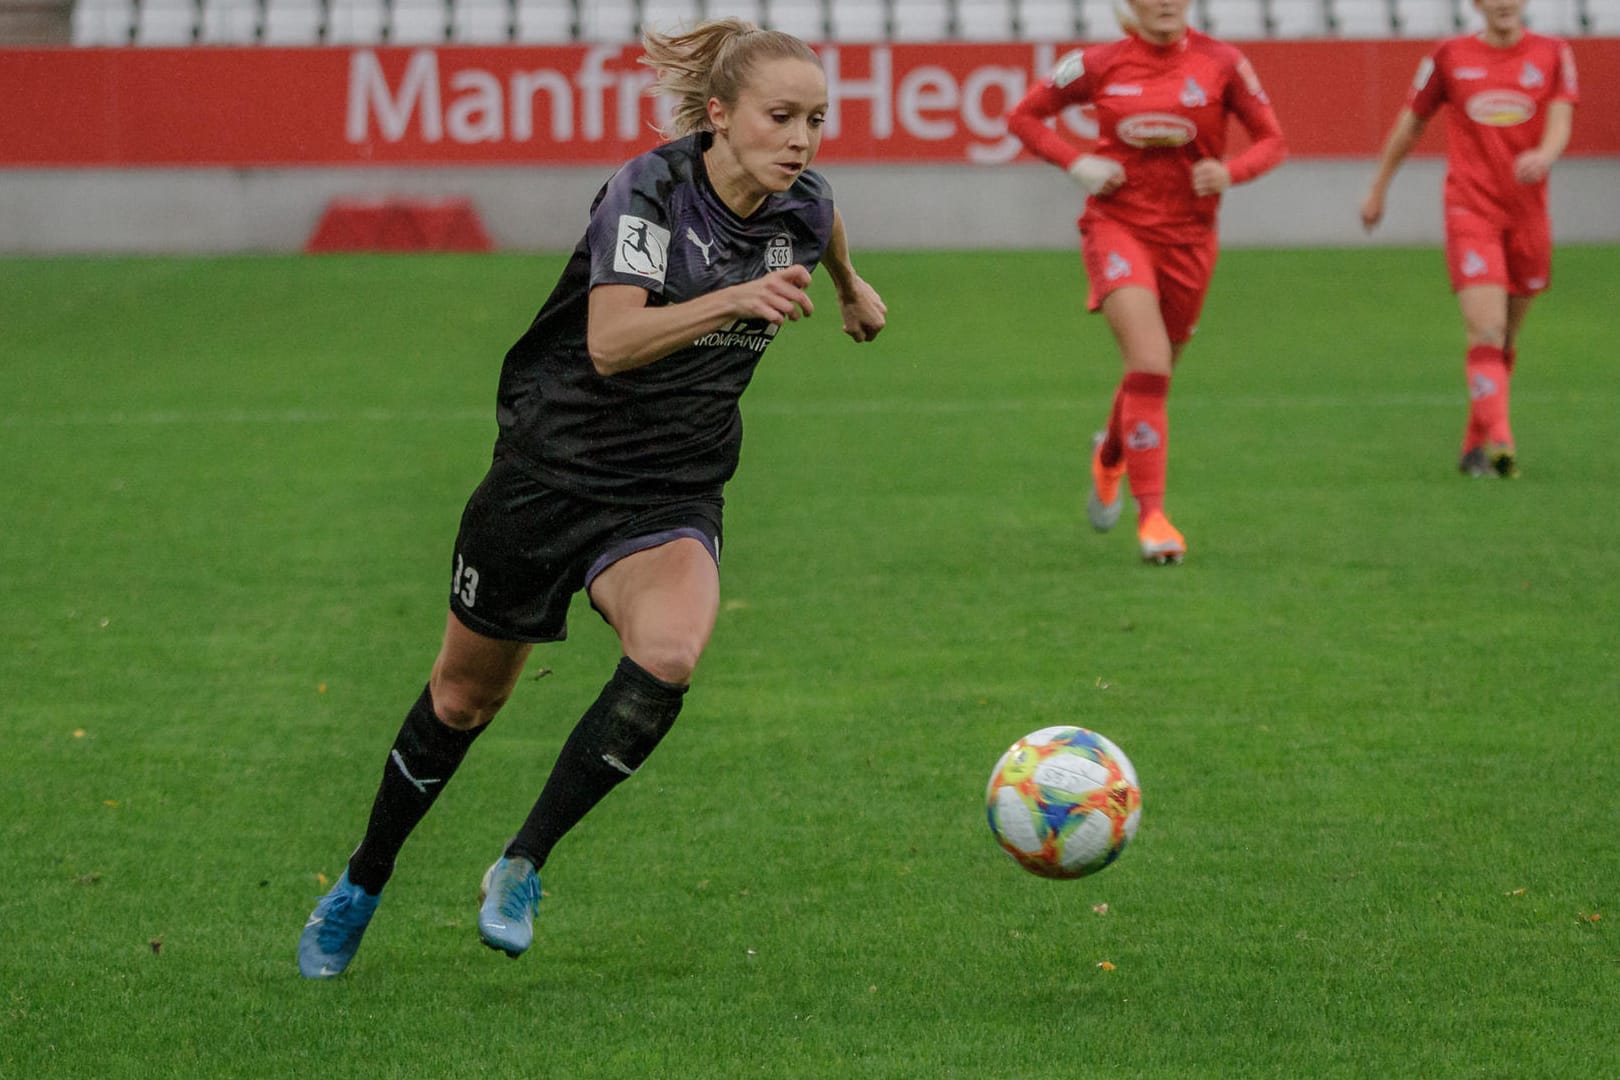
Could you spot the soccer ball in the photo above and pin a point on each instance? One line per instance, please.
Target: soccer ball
(1063, 802)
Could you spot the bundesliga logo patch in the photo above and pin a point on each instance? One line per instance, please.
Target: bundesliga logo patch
(642, 248)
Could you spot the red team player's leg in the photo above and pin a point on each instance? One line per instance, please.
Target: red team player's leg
(1134, 316)
(1484, 264)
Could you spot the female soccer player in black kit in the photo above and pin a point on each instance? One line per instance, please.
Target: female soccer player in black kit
(619, 426)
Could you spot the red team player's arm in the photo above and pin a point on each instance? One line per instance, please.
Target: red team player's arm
(1426, 95)
(1532, 166)
(1028, 122)
(1247, 101)
(1098, 175)
(1267, 149)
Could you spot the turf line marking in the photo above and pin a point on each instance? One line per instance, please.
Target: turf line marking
(859, 407)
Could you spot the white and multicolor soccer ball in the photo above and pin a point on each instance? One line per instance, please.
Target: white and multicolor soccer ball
(1064, 802)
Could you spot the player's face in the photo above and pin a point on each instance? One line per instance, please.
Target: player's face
(1502, 17)
(774, 129)
(1161, 21)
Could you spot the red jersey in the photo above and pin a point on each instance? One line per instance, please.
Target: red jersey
(1498, 98)
(1160, 108)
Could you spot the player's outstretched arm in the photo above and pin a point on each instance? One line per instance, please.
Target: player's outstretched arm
(1402, 138)
(863, 309)
(622, 333)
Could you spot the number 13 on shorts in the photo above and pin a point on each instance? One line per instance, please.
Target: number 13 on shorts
(464, 582)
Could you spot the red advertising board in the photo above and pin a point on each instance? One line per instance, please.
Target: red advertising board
(578, 105)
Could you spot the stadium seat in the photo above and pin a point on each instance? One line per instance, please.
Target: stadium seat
(543, 21)
(481, 22)
(418, 22)
(1425, 18)
(806, 19)
(984, 20)
(1561, 18)
(1235, 20)
(1364, 18)
(608, 22)
(670, 16)
(292, 22)
(229, 22)
(1054, 20)
(1603, 17)
(166, 22)
(103, 22)
(857, 20)
(355, 22)
(1298, 18)
(921, 20)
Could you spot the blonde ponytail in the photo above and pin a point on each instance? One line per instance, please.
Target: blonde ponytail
(712, 60)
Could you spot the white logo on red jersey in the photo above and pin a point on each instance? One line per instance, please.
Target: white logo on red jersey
(1070, 66)
(1192, 95)
(1143, 437)
(1116, 89)
(1156, 129)
(1531, 77)
(1468, 73)
(1245, 72)
(1473, 263)
(1118, 266)
(1499, 108)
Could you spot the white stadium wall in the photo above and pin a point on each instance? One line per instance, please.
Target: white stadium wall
(155, 210)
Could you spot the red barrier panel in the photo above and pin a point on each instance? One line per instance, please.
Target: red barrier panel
(586, 105)
(399, 224)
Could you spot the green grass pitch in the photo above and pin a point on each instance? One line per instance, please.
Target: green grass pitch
(1375, 714)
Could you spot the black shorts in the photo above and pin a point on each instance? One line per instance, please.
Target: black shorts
(525, 549)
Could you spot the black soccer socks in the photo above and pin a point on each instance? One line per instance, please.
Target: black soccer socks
(617, 733)
(424, 757)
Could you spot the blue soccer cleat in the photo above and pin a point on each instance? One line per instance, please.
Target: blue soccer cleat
(332, 935)
(509, 899)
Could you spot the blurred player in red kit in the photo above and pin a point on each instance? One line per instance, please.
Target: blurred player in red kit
(1163, 96)
(1512, 96)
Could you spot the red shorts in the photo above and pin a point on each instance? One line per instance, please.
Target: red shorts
(1518, 258)
(1178, 274)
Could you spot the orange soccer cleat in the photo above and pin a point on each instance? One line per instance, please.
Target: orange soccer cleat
(1106, 499)
(1161, 543)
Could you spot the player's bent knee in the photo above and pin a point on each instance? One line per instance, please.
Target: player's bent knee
(671, 661)
(465, 706)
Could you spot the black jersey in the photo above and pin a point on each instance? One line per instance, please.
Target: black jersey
(671, 428)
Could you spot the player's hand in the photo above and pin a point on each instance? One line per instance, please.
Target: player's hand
(1098, 175)
(1372, 210)
(864, 311)
(1531, 167)
(1210, 177)
(777, 297)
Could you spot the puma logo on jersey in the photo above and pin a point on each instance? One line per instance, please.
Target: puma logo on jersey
(1473, 263)
(1531, 77)
(1118, 266)
(701, 246)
